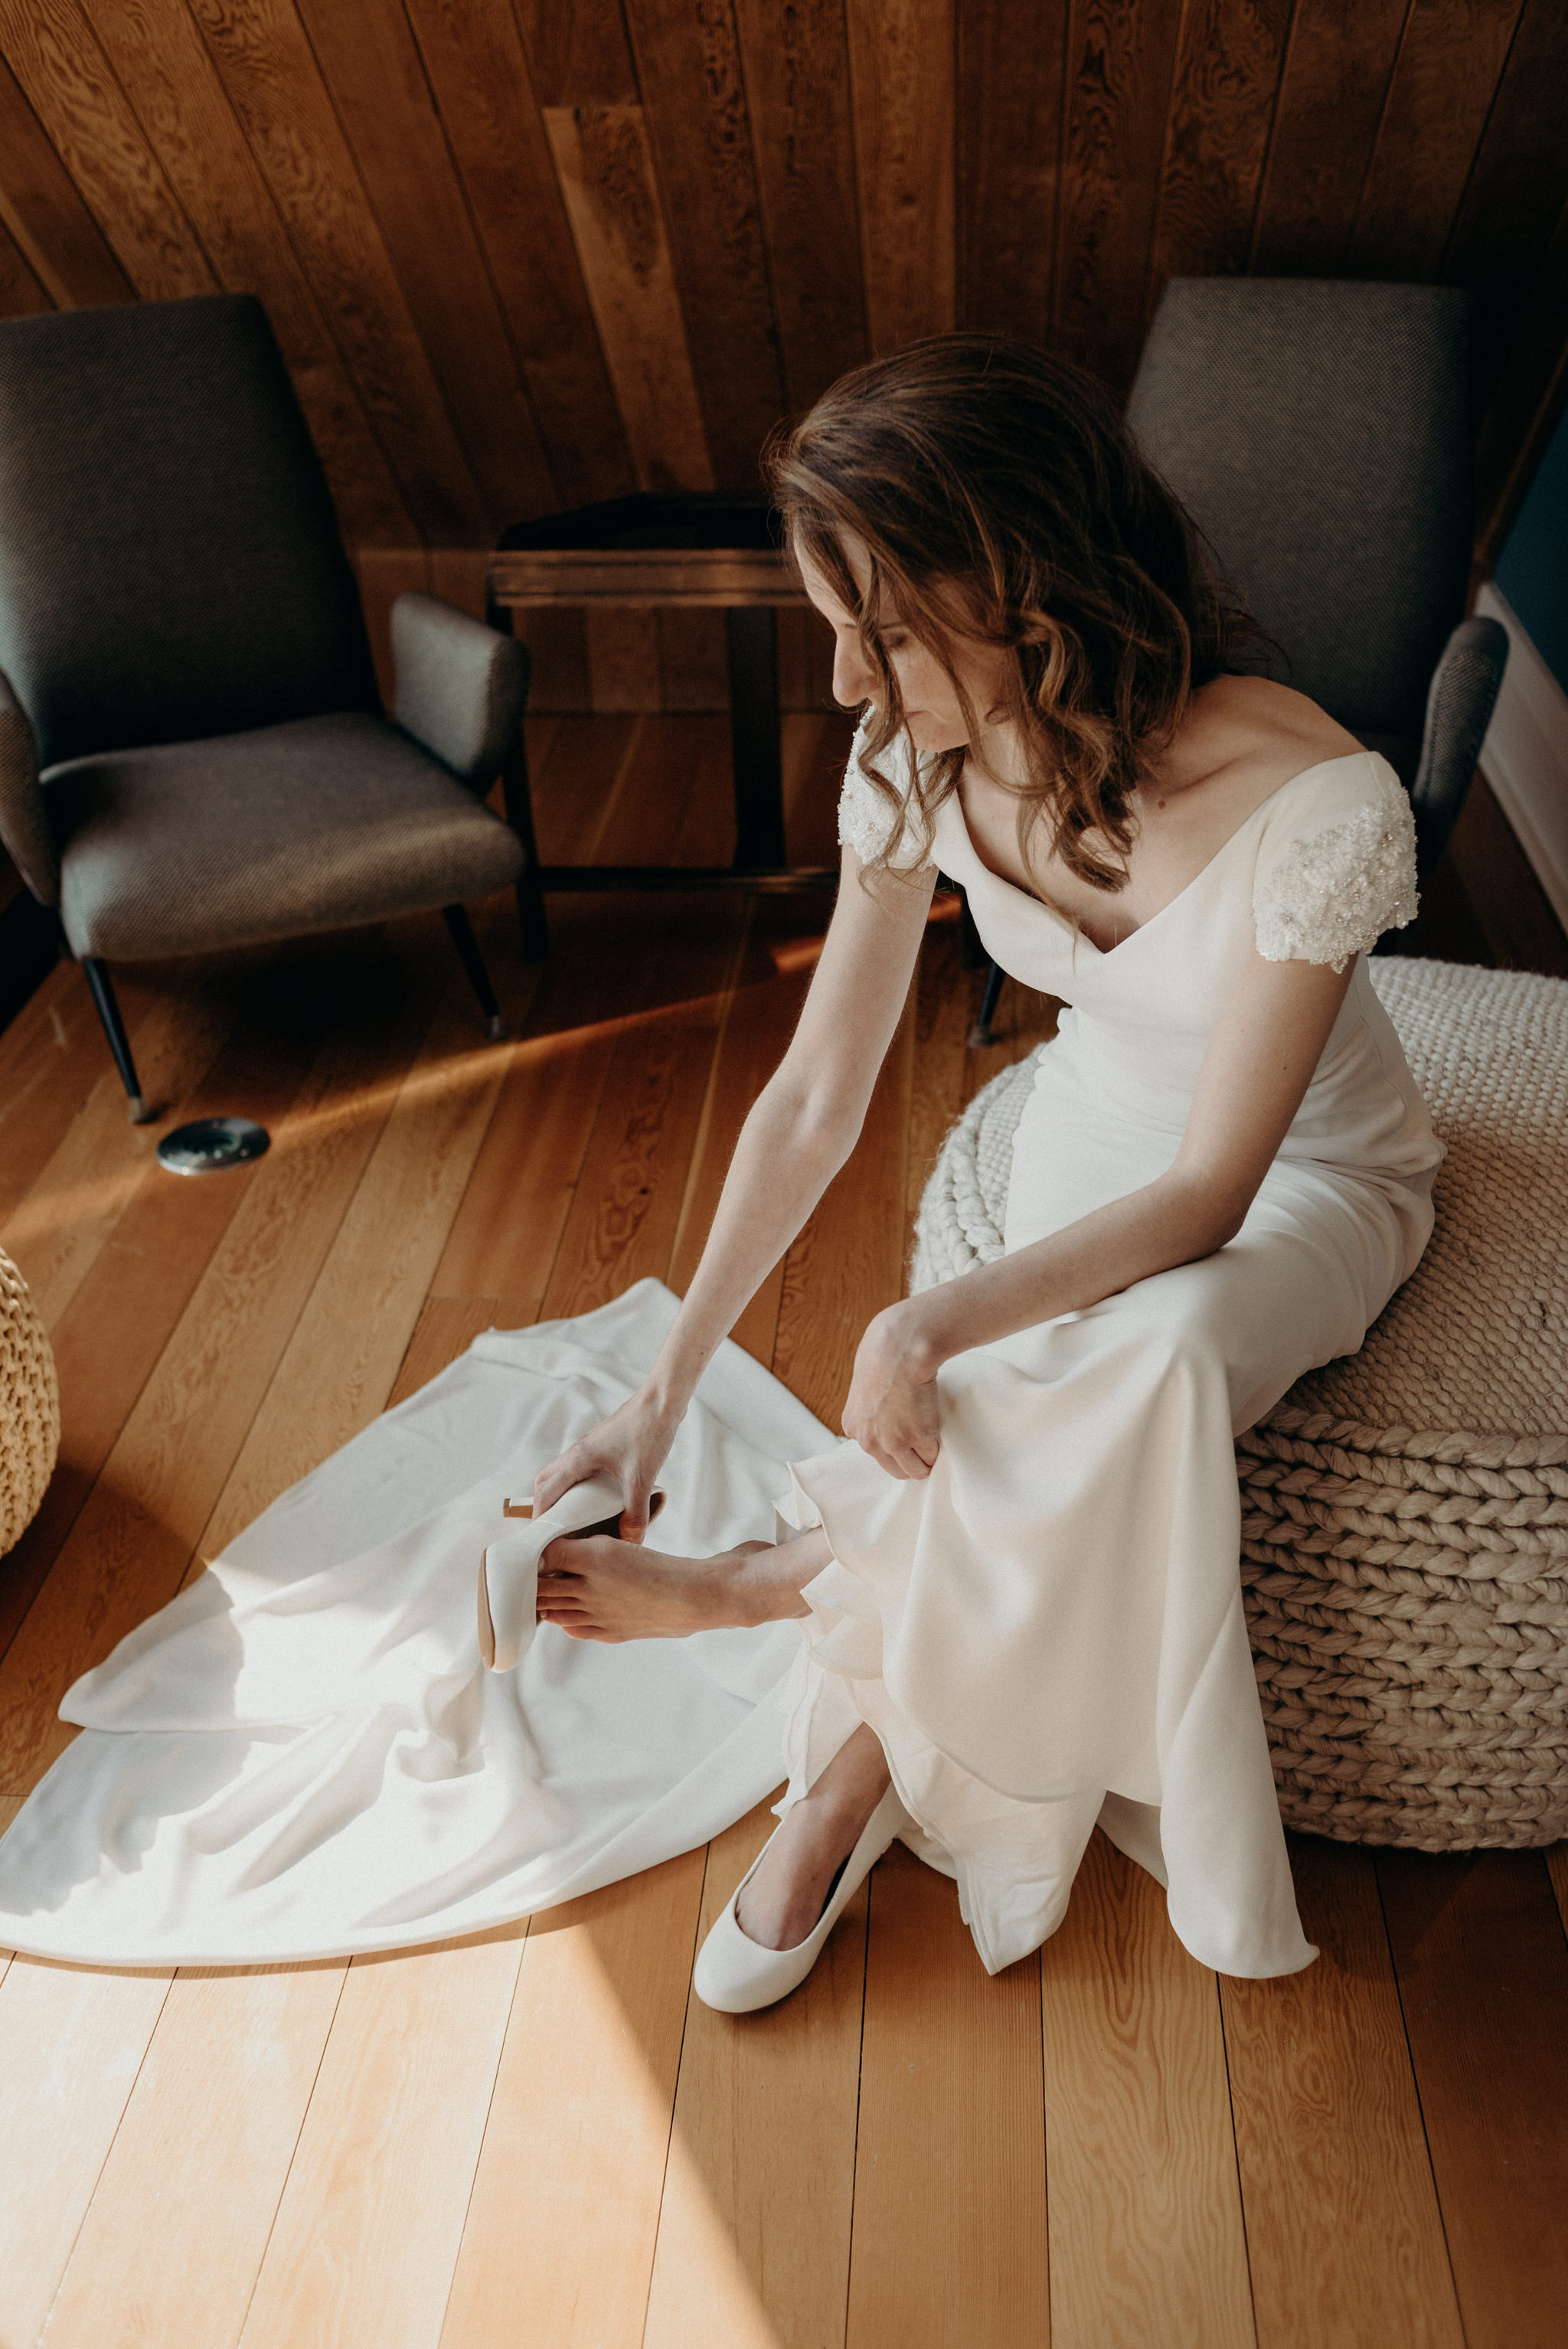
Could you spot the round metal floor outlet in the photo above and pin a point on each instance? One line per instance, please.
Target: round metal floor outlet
(209, 1144)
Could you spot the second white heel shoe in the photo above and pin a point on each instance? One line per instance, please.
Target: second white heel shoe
(509, 1570)
(737, 1975)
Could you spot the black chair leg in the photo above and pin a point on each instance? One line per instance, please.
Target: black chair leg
(118, 1042)
(473, 962)
(980, 1034)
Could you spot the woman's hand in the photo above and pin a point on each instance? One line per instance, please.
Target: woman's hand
(630, 1447)
(891, 1413)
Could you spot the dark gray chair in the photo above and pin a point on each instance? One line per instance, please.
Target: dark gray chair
(1319, 434)
(192, 753)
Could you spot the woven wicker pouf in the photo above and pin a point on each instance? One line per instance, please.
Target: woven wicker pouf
(1405, 1509)
(29, 1408)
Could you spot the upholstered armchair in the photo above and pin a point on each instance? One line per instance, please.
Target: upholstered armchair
(1319, 433)
(192, 752)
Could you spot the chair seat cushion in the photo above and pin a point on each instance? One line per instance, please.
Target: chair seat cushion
(318, 824)
(1405, 1508)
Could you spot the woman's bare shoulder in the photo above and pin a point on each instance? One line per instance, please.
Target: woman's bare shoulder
(1261, 724)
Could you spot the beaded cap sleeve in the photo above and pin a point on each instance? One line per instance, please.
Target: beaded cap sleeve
(1336, 864)
(867, 824)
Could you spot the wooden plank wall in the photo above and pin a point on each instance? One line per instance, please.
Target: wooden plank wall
(524, 253)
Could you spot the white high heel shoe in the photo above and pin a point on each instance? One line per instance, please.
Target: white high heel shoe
(735, 1975)
(509, 1570)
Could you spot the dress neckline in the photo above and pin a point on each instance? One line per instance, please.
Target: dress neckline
(1106, 952)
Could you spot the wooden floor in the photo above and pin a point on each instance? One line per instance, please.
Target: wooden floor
(535, 2137)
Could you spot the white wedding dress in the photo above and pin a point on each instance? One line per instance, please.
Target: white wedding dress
(302, 1756)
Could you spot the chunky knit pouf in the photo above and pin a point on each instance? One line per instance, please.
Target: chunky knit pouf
(1405, 1509)
(29, 1407)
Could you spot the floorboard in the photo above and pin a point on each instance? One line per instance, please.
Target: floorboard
(110, 1335)
(365, 2239)
(1344, 2236)
(1146, 2233)
(950, 2171)
(558, 2247)
(1482, 1967)
(200, 2159)
(72, 2041)
(136, 1535)
(753, 2247)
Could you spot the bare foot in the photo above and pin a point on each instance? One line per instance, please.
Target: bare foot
(782, 1904)
(598, 1588)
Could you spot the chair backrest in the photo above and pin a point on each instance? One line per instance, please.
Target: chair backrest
(170, 563)
(1320, 435)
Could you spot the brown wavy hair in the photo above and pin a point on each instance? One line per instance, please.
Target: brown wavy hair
(999, 497)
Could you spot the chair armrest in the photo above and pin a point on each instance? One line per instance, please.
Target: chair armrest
(1458, 710)
(461, 687)
(25, 826)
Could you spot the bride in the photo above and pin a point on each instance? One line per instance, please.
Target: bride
(1018, 1583)
(1008, 1606)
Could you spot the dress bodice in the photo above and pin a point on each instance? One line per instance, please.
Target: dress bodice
(1318, 871)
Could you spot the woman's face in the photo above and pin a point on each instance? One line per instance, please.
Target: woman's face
(931, 708)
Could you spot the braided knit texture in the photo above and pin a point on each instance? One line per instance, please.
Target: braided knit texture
(29, 1407)
(1405, 1509)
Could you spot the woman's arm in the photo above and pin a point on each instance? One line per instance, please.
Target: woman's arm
(1255, 1072)
(801, 1129)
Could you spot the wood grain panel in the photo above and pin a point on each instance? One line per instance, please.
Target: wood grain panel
(694, 101)
(797, 64)
(902, 61)
(1122, 57)
(43, 209)
(128, 1548)
(275, 88)
(753, 2247)
(624, 1218)
(1012, 72)
(367, 2231)
(72, 2038)
(50, 1067)
(506, 1235)
(1516, 196)
(480, 77)
(1442, 93)
(199, 2161)
(107, 1341)
(373, 69)
(559, 2242)
(22, 290)
(1344, 2238)
(56, 1231)
(343, 1355)
(1147, 2240)
(1336, 76)
(694, 661)
(164, 67)
(1482, 1968)
(56, 57)
(950, 2172)
(577, 51)
(1228, 69)
(612, 204)
(623, 659)
(385, 572)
